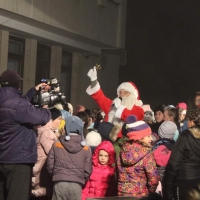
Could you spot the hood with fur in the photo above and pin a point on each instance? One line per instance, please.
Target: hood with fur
(114, 132)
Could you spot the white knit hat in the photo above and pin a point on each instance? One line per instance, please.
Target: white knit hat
(167, 129)
(93, 138)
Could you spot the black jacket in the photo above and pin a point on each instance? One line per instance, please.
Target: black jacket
(184, 164)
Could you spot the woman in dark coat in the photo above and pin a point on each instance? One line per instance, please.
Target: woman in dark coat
(182, 173)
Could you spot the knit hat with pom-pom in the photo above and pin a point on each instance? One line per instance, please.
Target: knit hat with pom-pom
(137, 129)
(74, 125)
(129, 120)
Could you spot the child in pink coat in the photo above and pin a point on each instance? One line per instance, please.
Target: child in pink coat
(102, 180)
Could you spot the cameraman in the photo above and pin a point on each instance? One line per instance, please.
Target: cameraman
(18, 150)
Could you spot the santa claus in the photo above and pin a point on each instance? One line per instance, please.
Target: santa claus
(117, 110)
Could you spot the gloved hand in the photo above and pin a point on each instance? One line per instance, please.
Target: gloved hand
(117, 102)
(92, 74)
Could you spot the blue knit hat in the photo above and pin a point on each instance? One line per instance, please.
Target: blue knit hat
(65, 114)
(74, 125)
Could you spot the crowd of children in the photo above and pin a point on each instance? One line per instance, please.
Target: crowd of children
(122, 149)
(154, 158)
(132, 165)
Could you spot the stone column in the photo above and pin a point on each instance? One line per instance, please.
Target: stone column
(4, 42)
(30, 58)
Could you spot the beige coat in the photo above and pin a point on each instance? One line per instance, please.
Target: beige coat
(41, 180)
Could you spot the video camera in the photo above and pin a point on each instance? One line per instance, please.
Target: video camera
(50, 97)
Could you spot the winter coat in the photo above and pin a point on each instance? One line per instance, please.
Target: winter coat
(41, 180)
(137, 172)
(69, 161)
(102, 180)
(184, 163)
(17, 119)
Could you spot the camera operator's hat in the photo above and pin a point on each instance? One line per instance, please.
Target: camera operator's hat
(10, 76)
(74, 125)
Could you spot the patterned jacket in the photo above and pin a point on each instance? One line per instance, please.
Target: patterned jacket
(137, 172)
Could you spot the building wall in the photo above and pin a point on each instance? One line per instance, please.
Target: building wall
(86, 28)
(86, 18)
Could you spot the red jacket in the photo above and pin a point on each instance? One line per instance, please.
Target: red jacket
(102, 180)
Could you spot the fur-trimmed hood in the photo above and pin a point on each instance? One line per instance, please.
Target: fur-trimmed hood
(195, 132)
(114, 132)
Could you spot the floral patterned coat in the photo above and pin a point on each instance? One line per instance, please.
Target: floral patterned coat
(137, 172)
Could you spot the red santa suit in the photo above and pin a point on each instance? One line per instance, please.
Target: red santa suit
(117, 115)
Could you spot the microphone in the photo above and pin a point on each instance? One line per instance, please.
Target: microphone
(113, 105)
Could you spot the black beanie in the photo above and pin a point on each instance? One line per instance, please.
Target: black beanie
(104, 130)
(10, 76)
(55, 113)
(160, 108)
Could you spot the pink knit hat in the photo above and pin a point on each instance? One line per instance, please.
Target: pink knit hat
(182, 105)
(138, 130)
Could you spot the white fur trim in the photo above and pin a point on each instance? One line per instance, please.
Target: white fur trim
(93, 90)
(138, 103)
(129, 88)
(138, 123)
(119, 111)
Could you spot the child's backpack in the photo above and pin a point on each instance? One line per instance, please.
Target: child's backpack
(161, 155)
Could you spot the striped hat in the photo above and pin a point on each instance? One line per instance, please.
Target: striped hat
(138, 130)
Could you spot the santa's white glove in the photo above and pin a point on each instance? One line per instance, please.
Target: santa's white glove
(117, 102)
(92, 74)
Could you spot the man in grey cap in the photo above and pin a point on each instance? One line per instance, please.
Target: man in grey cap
(18, 150)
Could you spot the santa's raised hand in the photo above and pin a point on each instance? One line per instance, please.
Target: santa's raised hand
(92, 74)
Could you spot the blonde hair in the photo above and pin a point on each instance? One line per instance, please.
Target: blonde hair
(61, 129)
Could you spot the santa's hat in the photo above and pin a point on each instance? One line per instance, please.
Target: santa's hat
(129, 87)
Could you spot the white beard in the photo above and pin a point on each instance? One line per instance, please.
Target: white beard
(128, 102)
